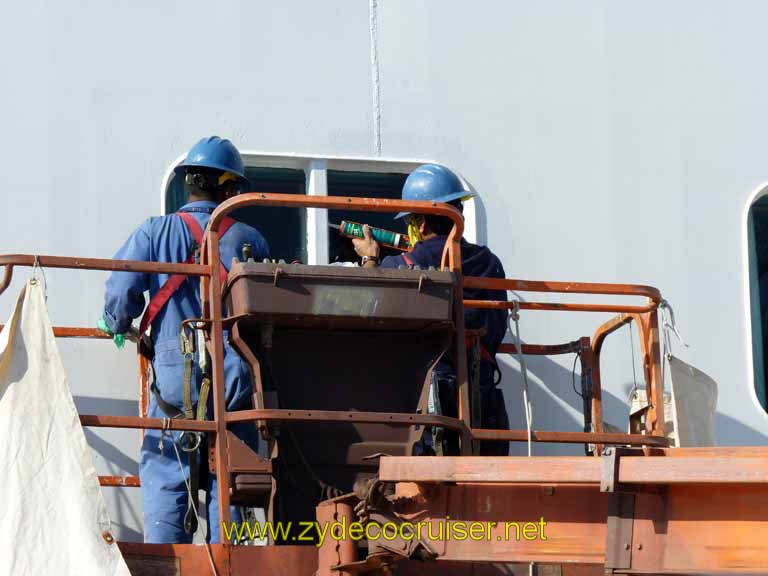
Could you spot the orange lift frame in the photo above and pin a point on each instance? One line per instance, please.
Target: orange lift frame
(645, 510)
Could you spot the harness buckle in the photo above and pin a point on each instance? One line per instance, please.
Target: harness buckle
(187, 436)
(186, 344)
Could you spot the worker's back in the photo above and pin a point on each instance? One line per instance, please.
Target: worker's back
(475, 261)
(169, 239)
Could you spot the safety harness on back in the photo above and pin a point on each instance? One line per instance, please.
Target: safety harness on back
(156, 304)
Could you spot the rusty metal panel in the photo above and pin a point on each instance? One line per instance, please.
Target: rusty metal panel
(686, 529)
(702, 528)
(145, 565)
(336, 296)
(192, 559)
(619, 525)
(577, 469)
(574, 517)
(174, 559)
(289, 560)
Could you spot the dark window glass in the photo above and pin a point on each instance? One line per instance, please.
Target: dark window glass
(284, 228)
(758, 275)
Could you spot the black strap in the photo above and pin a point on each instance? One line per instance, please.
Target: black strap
(198, 209)
(190, 518)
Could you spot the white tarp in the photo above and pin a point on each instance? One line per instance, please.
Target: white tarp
(52, 515)
(689, 406)
(694, 401)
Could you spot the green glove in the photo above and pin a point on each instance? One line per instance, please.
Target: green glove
(119, 339)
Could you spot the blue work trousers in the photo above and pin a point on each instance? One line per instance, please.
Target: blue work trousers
(163, 488)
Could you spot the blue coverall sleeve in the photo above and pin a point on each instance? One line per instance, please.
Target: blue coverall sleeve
(124, 295)
(260, 246)
(392, 262)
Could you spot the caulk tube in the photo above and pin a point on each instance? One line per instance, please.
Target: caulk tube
(382, 236)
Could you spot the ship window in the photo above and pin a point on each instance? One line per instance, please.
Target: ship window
(303, 234)
(284, 229)
(757, 243)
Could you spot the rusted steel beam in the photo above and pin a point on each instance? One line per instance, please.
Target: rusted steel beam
(282, 415)
(334, 552)
(212, 287)
(574, 528)
(11, 260)
(336, 203)
(593, 410)
(174, 559)
(542, 349)
(648, 325)
(153, 423)
(719, 452)
(694, 470)
(598, 339)
(574, 469)
(451, 253)
(119, 481)
(192, 559)
(562, 287)
(556, 306)
(701, 530)
(481, 469)
(569, 437)
(690, 529)
(74, 332)
(7, 277)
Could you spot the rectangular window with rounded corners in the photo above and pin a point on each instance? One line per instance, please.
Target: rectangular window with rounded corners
(757, 244)
(284, 228)
(304, 235)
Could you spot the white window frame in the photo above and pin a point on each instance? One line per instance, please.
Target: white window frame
(756, 194)
(316, 170)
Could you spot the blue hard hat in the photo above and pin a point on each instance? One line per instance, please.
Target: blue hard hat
(214, 152)
(434, 183)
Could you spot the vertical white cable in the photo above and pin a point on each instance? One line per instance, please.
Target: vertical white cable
(374, 33)
(515, 316)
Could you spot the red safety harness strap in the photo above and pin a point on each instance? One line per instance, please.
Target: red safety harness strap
(161, 297)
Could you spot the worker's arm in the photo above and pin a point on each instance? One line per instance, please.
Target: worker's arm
(124, 294)
(367, 247)
(259, 246)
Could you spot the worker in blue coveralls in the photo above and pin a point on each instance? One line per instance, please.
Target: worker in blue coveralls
(212, 171)
(428, 234)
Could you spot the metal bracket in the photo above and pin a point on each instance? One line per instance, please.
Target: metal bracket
(619, 527)
(621, 510)
(609, 479)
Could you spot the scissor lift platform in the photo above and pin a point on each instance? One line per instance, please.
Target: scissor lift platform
(633, 506)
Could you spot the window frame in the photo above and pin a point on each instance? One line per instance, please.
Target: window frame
(316, 171)
(756, 370)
